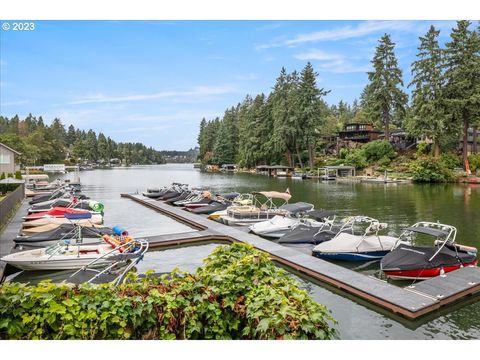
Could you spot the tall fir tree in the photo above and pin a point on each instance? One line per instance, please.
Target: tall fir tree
(311, 114)
(427, 116)
(383, 97)
(462, 78)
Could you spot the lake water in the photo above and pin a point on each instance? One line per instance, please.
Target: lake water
(397, 205)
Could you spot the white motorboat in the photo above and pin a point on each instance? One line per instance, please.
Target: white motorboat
(62, 256)
(241, 200)
(279, 225)
(262, 209)
(347, 246)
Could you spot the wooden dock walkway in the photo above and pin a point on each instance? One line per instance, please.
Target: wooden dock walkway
(411, 302)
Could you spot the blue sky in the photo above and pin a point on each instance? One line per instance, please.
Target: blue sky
(153, 81)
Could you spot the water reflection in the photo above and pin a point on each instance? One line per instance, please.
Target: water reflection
(398, 205)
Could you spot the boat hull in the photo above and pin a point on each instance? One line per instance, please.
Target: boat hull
(352, 256)
(423, 274)
(62, 257)
(68, 264)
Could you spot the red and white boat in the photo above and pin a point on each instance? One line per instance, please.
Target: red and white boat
(410, 261)
(58, 212)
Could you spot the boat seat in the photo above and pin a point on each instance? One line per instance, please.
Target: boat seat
(91, 251)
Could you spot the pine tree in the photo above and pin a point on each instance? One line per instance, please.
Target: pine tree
(462, 78)
(70, 135)
(103, 148)
(285, 132)
(383, 98)
(311, 113)
(427, 116)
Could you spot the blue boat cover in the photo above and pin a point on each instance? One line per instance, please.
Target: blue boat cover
(78, 216)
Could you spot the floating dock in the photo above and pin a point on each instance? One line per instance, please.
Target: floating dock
(411, 302)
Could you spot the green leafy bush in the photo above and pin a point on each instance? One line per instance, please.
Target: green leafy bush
(378, 149)
(428, 169)
(474, 161)
(384, 162)
(451, 161)
(238, 294)
(18, 175)
(343, 153)
(4, 188)
(2, 176)
(356, 158)
(423, 148)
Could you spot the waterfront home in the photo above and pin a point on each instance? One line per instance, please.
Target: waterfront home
(275, 170)
(229, 168)
(360, 133)
(7, 159)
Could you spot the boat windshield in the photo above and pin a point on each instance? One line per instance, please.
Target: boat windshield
(52, 249)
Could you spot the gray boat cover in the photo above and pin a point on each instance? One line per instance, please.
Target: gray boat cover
(297, 207)
(428, 231)
(320, 214)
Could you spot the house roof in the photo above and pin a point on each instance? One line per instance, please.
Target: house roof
(9, 148)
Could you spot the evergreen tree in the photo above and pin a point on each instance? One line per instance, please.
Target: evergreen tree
(384, 99)
(103, 152)
(285, 131)
(91, 145)
(71, 135)
(427, 116)
(462, 76)
(55, 135)
(311, 114)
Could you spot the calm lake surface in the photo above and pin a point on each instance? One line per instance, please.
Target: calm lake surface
(397, 205)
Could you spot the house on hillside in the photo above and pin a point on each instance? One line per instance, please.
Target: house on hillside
(359, 133)
(473, 142)
(7, 159)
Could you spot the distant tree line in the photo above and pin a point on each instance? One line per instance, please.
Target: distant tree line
(289, 124)
(41, 144)
(176, 156)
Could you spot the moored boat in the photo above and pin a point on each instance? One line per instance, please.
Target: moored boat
(264, 208)
(413, 261)
(279, 225)
(63, 256)
(347, 246)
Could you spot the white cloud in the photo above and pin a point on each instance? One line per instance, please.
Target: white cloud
(318, 55)
(333, 62)
(14, 103)
(343, 66)
(344, 32)
(179, 116)
(196, 92)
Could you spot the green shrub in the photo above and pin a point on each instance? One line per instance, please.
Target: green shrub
(343, 153)
(356, 158)
(428, 169)
(18, 175)
(2, 176)
(4, 188)
(474, 161)
(450, 161)
(377, 150)
(384, 162)
(239, 294)
(423, 148)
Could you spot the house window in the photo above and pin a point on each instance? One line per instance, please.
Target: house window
(4, 159)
